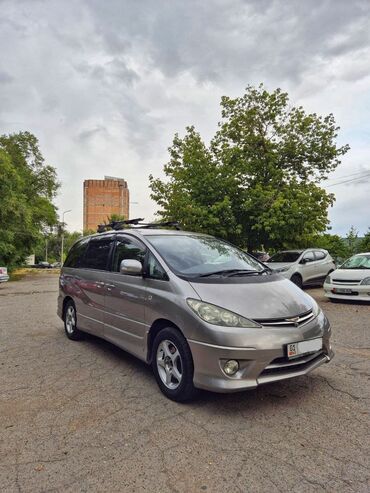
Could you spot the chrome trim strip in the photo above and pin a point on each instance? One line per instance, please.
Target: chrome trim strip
(90, 318)
(222, 347)
(124, 332)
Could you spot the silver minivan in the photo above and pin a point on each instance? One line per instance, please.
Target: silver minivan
(203, 313)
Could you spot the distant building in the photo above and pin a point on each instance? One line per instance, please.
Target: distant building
(103, 198)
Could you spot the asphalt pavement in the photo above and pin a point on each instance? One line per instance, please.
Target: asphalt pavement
(86, 416)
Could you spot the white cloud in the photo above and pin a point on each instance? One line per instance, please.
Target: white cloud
(105, 85)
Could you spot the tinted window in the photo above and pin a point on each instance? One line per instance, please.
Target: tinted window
(309, 256)
(155, 270)
(76, 254)
(320, 255)
(97, 253)
(128, 248)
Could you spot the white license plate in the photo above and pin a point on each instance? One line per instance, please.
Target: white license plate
(342, 291)
(298, 348)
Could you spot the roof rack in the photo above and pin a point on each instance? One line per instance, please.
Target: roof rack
(116, 225)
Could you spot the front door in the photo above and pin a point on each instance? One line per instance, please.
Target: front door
(125, 299)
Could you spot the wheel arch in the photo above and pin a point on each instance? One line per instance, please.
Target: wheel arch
(65, 301)
(157, 326)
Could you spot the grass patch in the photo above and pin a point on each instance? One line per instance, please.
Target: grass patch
(21, 272)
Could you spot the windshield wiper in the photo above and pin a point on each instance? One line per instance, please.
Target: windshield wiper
(220, 272)
(244, 272)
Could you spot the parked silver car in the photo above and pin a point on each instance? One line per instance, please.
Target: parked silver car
(4, 274)
(303, 267)
(203, 313)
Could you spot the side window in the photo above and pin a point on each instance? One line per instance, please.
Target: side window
(128, 248)
(309, 256)
(320, 255)
(76, 254)
(98, 253)
(155, 270)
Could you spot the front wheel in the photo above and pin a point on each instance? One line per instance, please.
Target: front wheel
(296, 278)
(172, 365)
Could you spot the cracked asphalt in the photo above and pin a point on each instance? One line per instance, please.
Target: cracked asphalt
(86, 416)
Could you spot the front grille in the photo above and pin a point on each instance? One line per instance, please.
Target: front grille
(285, 365)
(350, 282)
(297, 321)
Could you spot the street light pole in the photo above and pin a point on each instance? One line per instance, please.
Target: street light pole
(62, 249)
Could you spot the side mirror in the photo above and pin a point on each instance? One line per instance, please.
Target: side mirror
(131, 267)
(303, 261)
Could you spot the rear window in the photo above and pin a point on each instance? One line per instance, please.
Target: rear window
(97, 254)
(76, 254)
(319, 255)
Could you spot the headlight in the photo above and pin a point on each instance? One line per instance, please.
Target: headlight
(283, 269)
(315, 308)
(365, 282)
(219, 316)
(327, 280)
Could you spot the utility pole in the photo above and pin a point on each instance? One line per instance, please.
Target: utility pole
(62, 249)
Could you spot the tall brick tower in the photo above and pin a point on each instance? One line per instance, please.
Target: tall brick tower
(103, 198)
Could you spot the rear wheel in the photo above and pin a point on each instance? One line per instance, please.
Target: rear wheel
(172, 365)
(70, 322)
(297, 279)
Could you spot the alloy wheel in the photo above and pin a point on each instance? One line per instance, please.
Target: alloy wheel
(169, 364)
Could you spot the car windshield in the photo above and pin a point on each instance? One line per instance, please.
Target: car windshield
(194, 256)
(357, 262)
(285, 257)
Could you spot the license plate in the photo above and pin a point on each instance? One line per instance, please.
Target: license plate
(298, 348)
(342, 291)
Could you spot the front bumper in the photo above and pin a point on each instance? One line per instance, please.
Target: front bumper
(358, 292)
(256, 365)
(4, 278)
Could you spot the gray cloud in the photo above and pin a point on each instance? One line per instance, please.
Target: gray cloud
(105, 85)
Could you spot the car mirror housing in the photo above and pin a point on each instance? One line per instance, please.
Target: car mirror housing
(131, 267)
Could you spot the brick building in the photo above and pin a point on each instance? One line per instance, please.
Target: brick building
(103, 198)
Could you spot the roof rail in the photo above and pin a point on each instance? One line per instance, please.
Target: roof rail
(116, 225)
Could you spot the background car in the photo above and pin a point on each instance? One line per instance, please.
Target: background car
(261, 256)
(351, 281)
(43, 265)
(303, 267)
(4, 274)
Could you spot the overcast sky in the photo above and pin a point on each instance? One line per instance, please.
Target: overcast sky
(104, 85)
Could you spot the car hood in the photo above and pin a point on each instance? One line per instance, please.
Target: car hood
(350, 274)
(279, 265)
(258, 300)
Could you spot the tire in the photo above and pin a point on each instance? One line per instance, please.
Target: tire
(70, 322)
(172, 365)
(296, 278)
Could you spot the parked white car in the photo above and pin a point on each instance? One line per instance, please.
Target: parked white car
(4, 274)
(351, 281)
(303, 267)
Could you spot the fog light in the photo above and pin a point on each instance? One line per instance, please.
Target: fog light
(231, 367)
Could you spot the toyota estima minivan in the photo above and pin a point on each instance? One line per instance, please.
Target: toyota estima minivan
(201, 312)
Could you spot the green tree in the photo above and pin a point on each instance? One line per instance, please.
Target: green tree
(352, 241)
(365, 243)
(257, 183)
(335, 245)
(27, 189)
